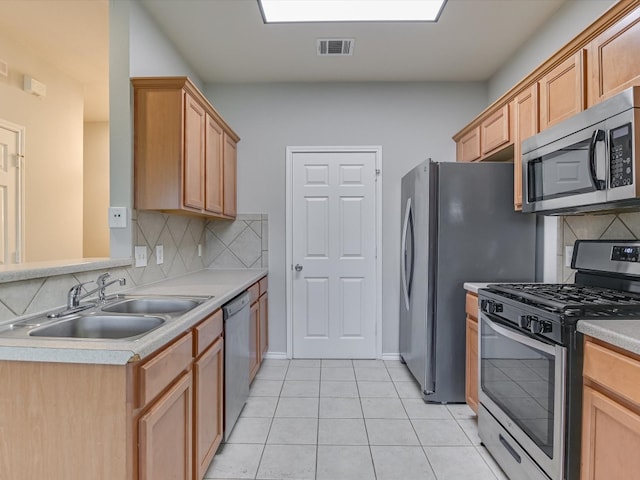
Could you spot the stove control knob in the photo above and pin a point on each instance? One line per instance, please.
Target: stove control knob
(524, 321)
(539, 326)
(488, 306)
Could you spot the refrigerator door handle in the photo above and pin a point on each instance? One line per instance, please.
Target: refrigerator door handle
(403, 260)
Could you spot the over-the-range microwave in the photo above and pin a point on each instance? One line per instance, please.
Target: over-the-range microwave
(586, 163)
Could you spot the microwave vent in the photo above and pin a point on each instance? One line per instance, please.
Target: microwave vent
(335, 46)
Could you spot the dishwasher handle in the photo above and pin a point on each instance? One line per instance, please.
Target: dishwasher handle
(234, 306)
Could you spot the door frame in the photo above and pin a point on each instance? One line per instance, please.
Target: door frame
(20, 197)
(377, 150)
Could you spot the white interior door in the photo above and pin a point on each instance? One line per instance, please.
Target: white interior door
(10, 222)
(333, 252)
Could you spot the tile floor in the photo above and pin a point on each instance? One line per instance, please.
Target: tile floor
(349, 420)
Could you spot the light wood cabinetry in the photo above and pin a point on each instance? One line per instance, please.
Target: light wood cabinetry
(525, 111)
(150, 419)
(184, 152)
(611, 413)
(165, 435)
(258, 326)
(614, 59)
(599, 62)
(468, 146)
(471, 378)
(561, 91)
(495, 130)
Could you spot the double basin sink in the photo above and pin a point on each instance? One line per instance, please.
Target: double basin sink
(123, 317)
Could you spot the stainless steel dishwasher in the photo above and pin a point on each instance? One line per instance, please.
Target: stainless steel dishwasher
(236, 314)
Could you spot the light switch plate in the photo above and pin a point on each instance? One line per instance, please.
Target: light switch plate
(199, 249)
(159, 254)
(140, 252)
(117, 217)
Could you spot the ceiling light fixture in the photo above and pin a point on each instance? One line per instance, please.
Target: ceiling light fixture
(298, 11)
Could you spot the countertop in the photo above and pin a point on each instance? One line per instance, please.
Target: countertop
(474, 286)
(222, 285)
(620, 333)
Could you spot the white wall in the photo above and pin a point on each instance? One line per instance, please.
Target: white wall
(410, 121)
(570, 19)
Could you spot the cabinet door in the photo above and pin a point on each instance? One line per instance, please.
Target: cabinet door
(525, 107)
(193, 181)
(214, 176)
(254, 347)
(610, 438)
(165, 435)
(468, 147)
(471, 379)
(264, 325)
(495, 130)
(208, 406)
(230, 160)
(614, 59)
(561, 91)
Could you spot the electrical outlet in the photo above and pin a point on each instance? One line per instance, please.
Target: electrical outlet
(117, 217)
(159, 254)
(141, 255)
(199, 249)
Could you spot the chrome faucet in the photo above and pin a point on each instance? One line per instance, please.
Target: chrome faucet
(75, 293)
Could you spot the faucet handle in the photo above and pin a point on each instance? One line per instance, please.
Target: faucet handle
(102, 279)
(73, 297)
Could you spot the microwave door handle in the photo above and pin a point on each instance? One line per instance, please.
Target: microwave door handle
(598, 136)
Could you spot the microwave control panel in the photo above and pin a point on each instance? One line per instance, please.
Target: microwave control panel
(620, 165)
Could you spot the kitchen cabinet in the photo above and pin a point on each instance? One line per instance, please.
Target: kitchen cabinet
(614, 59)
(561, 91)
(258, 326)
(525, 111)
(471, 377)
(611, 412)
(160, 417)
(495, 130)
(184, 152)
(468, 146)
(209, 389)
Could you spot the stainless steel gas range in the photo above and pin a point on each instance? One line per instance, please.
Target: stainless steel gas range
(531, 355)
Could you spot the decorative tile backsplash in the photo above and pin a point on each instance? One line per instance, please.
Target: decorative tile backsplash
(622, 226)
(240, 243)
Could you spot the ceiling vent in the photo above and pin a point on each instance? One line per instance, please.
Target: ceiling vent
(335, 46)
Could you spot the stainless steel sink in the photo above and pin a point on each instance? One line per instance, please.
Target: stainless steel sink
(100, 327)
(150, 306)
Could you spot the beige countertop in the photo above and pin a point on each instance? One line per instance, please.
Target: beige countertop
(221, 285)
(620, 333)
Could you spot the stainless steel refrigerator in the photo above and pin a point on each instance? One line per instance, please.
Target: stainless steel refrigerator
(458, 225)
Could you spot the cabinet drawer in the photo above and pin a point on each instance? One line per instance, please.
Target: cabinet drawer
(614, 371)
(471, 306)
(254, 292)
(164, 368)
(263, 285)
(206, 332)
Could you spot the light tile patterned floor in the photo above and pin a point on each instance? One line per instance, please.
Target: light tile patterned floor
(349, 420)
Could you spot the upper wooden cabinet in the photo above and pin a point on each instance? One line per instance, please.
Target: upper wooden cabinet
(561, 91)
(614, 59)
(184, 152)
(468, 146)
(495, 130)
(525, 112)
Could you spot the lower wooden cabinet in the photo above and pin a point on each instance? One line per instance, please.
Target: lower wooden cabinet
(471, 377)
(263, 315)
(208, 403)
(258, 326)
(165, 435)
(611, 414)
(254, 346)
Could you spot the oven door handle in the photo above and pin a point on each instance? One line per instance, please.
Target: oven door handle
(598, 136)
(517, 337)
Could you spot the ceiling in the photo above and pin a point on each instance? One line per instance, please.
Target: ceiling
(226, 41)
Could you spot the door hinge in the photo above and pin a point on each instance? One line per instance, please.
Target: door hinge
(18, 160)
(378, 171)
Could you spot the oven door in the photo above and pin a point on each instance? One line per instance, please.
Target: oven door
(522, 385)
(567, 173)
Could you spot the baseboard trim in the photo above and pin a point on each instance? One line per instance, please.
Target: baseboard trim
(390, 356)
(276, 355)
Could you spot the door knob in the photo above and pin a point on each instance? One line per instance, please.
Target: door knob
(298, 267)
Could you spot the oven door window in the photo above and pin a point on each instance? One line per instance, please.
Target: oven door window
(520, 380)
